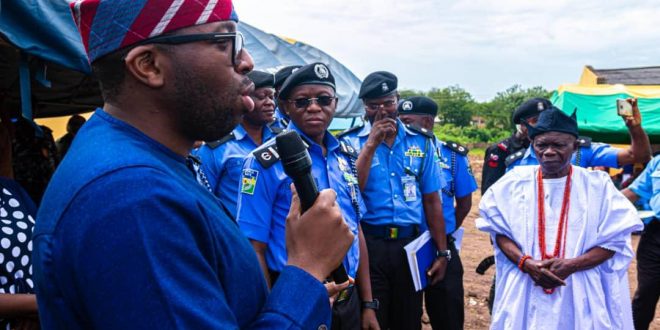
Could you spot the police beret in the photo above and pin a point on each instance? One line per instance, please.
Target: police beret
(418, 105)
(261, 79)
(310, 74)
(283, 73)
(378, 84)
(554, 120)
(530, 108)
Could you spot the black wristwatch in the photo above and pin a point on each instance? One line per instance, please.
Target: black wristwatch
(374, 304)
(444, 253)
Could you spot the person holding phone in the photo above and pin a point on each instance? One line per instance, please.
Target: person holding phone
(591, 154)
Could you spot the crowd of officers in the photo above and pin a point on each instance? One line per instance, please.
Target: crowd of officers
(393, 178)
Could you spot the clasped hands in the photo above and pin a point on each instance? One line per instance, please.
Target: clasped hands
(549, 273)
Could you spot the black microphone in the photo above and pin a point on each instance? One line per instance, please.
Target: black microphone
(298, 166)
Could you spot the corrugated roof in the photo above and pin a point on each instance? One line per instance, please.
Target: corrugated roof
(628, 76)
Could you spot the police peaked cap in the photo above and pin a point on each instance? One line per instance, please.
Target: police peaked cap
(418, 105)
(378, 84)
(554, 120)
(261, 79)
(530, 108)
(310, 74)
(283, 73)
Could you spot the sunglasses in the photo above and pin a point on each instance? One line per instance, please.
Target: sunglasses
(322, 101)
(387, 105)
(236, 37)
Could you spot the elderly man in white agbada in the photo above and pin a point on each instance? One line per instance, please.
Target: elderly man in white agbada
(562, 238)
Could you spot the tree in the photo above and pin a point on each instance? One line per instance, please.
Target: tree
(499, 110)
(456, 105)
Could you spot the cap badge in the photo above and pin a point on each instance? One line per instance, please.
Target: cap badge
(407, 106)
(321, 71)
(540, 106)
(385, 87)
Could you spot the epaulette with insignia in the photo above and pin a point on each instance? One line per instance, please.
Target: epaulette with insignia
(267, 154)
(584, 141)
(348, 149)
(217, 143)
(502, 146)
(514, 156)
(421, 130)
(348, 131)
(461, 150)
(276, 130)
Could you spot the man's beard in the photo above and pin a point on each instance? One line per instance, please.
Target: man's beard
(203, 113)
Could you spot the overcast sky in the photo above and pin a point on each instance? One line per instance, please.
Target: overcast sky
(483, 46)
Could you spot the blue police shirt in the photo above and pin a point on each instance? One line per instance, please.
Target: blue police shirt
(398, 178)
(132, 241)
(647, 185)
(281, 120)
(223, 164)
(459, 179)
(596, 154)
(265, 198)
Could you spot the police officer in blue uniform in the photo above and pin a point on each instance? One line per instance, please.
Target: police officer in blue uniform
(599, 154)
(222, 160)
(647, 187)
(444, 301)
(309, 98)
(282, 119)
(400, 182)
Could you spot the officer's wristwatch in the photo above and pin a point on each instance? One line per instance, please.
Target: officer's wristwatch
(444, 253)
(374, 304)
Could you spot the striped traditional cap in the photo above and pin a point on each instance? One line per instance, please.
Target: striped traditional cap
(109, 25)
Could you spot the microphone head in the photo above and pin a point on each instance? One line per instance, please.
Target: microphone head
(293, 153)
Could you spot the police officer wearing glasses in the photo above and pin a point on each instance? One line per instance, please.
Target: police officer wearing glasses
(444, 301)
(400, 182)
(308, 97)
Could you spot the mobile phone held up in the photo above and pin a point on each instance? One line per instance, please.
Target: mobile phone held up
(623, 108)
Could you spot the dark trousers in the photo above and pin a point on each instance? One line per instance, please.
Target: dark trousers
(648, 276)
(392, 285)
(444, 301)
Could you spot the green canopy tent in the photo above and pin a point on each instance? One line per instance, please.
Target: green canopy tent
(596, 109)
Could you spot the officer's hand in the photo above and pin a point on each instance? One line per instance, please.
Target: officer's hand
(369, 320)
(381, 130)
(437, 270)
(334, 289)
(541, 275)
(318, 240)
(636, 119)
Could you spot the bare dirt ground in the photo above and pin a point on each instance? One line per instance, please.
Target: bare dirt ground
(476, 246)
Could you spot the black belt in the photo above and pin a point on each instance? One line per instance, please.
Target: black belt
(390, 231)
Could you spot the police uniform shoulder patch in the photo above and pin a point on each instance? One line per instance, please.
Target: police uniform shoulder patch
(459, 149)
(420, 130)
(217, 143)
(349, 131)
(584, 141)
(514, 156)
(276, 130)
(267, 154)
(348, 149)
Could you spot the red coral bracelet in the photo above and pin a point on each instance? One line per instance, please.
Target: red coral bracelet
(521, 263)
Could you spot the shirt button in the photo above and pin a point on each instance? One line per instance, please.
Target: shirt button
(391, 152)
(323, 327)
(392, 174)
(396, 196)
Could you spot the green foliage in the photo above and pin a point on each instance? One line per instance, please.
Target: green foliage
(498, 111)
(469, 135)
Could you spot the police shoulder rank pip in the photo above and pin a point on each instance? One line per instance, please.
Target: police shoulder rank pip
(459, 149)
(584, 141)
(514, 157)
(217, 143)
(420, 130)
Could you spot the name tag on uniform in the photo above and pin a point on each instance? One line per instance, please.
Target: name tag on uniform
(409, 188)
